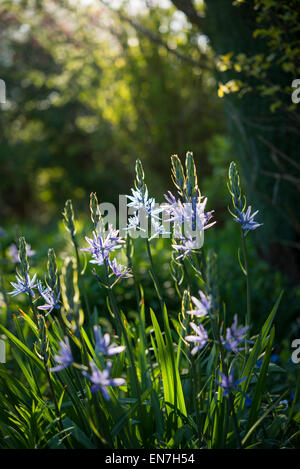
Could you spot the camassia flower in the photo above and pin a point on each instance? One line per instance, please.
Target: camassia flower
(120, 271)
(103, 343)
(101, 379)
(228, 383)
(64, 357)
(190, 221)
(234, 336)
(157, 229)
(51, 299)
(134, 223)
(246, 219)
(101, 245)
(200, 339)
(191, 213)
(187, 246)
(24, 285)
(140, 201)
(202, 305)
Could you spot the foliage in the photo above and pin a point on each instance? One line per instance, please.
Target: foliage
(256, 47)
(87, 94)
(165, 396)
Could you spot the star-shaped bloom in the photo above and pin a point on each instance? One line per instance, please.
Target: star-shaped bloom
(234, 336)
(103, 344)
(101, 379)
(246, 219)
(187, 246)
(192, 214)
(51, 299)
(228, 383)
(24, 285)
(157, 229)
(101, 245)
(64, 357)
(202, 305)
(119, 270)
(140, 201)
(134, 222)
(200, 339)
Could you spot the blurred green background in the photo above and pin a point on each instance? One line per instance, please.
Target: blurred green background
(93, 85)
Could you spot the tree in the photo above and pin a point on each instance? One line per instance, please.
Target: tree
(256, 48)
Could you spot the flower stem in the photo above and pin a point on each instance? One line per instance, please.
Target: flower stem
(248, 318)
(217, 335)
(80, 277)
(154, 277)
(131, 266)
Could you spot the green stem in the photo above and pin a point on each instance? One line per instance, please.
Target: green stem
(80, 278)
(195, 388)
(131, 266)
(236, 425)
(122, 331)
(216, 332)
(119, 324)
(154, 277)
(54, 396)
(248, 318)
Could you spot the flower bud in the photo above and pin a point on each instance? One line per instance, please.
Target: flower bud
(23, 256)
(53, 279)
(178, 174)
(68, 214)
(191, 175)
(94, 207)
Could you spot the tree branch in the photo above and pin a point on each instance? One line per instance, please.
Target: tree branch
(157, 39)
(188, 8)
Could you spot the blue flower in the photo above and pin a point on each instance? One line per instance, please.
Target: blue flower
(191, 213)
(134, 223)
(51, 299)
(188, 246)
(247, 219)
(101, 379)
(103, 343)
(259, 363)
(140, 201)
(200, 338)
(158, 229)
(120, 271)
(234, 336)
(202, 306)
(24, 285)
(102, 245)
(274, 358)
(64, 357)
(248, 401)
(228, 383)
(284, 404)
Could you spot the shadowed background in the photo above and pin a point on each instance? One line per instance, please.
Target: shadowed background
(93, 85)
